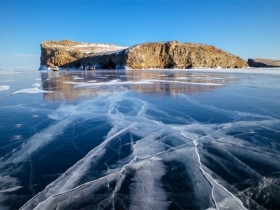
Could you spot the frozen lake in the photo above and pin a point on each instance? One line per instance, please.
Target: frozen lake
(142, 139)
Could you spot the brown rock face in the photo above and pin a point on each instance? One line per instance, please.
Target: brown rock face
(70, 54)
(181, 55)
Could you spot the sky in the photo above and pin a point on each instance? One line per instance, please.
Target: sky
(246, 28)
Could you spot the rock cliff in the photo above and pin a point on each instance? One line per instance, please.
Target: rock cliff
(69, 54)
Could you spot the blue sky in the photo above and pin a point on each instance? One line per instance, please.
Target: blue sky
(247, 28)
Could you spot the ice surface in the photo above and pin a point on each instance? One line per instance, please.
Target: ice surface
(190, 83)
(211, 148)
(33, 90)
(109, 83)
(35, 143)
(151, 150)
(10, 189)
(147, 190)
(264, 71)
(77, 78)
(4, 87)
(36, 85)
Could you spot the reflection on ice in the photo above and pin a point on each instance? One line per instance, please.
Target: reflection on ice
(72, 85)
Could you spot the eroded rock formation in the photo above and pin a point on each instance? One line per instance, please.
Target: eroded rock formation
(181, 55)
(68, 54)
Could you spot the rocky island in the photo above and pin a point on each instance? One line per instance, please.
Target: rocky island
(263, 63)
(68, 54)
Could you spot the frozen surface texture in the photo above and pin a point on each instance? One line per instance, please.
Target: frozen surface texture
(140, 140)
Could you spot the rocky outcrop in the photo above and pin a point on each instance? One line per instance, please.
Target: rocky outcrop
(258, 63)
(68, 54)
(181, 55)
